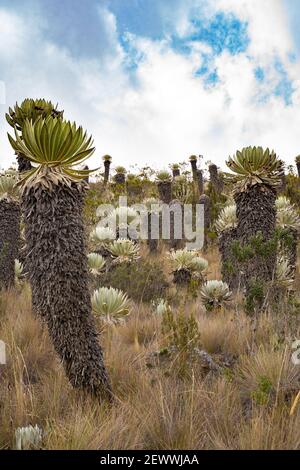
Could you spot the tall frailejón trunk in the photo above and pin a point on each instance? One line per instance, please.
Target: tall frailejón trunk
(176, 224)
(298, 168)
(256, 213)
(200, 182)
(119, 178)
(215, 179)
(9, 241)
(152, 241)
(58, 273)
(165, 191)
(205, 201)
(282, 187)
(106, 171)
(176, 172)
(194, 169)
(255, 210)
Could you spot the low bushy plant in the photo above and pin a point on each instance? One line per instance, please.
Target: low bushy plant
(143, 281)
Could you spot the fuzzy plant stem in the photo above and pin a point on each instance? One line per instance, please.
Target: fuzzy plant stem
(9, 241)
(58, 273)
(200, 182)
(194, 169)
(256, 214)
(165, 191)
(205, 201)
(107, 164)
(119, 178)
(176, 172)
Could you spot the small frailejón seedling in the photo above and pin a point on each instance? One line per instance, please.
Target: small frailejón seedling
(28, 438)
(288, 218)
(120, 219)
(101, 236)
(161, 306)
(215, 295)
(111, 305)
(52, 203)
(287, 215)
(284, 278)
(185, 264)
(227, 219)
(96, 263)
(124, 251)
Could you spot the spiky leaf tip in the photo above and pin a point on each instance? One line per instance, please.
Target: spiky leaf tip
(31, 109)
(55, 148)
(254, 166)
(120, 170)
(163, 177)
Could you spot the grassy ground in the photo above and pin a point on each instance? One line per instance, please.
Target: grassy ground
(245, 406)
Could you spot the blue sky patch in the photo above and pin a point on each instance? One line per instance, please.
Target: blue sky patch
(207, 70)
(259, 74)
(223, 32)
(284, 87)
(133, 56)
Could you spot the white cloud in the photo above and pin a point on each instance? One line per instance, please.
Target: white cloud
(167, 114)
(267, 25)
(12, 34)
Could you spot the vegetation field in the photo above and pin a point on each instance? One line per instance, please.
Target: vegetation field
(113, 343)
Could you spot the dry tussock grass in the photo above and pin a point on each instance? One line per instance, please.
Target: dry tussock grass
(245, 407)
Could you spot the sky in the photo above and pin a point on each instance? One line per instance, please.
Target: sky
(155, 81)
